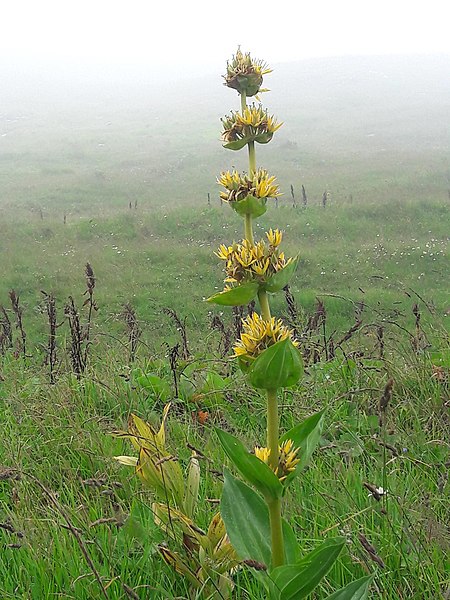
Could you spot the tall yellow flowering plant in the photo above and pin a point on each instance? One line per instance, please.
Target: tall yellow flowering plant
(268, 354)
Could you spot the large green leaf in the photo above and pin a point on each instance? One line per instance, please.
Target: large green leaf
(242, 294)
(278, 366)
(294, 582)
(281, 278)
(305, 436)
(155, 385)
(251, 467)
(356, 590)
(246, 519)
(251, 206)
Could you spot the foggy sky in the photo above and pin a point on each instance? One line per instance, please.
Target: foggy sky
(176, 39)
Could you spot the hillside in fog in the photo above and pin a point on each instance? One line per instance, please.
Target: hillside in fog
(355, 125)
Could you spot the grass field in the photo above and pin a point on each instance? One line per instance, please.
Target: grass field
(118, 177)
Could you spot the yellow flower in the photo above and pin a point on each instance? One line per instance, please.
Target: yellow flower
(287, 459)
(258, 335)
(253, 124)
(238, 187)
(245, 74)
(246, 262)
(274, 237)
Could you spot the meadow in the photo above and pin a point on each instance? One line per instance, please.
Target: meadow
(123, 177)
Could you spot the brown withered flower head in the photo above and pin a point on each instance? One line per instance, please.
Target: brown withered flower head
(245, 74)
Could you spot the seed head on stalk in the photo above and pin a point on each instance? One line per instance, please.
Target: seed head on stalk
(245, 74)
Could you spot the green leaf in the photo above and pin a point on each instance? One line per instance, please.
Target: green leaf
(264, 138)
(246, 519)
(294, 582)
(357, 590)
(250, 205)
(251, 467)
(154, 384)
(237, 144)
(281, 278)
(278, 366)
(242, 294)
(305, 436)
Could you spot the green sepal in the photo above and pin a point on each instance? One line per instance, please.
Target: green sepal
(305, 436)
(250, 205)
(263, 138)
(237, 144)
(247, 523)
(279, 366)
(250, 84)
(356, 590)
(245, 363)
(250, 466)
(294, 582)
(237, 296)
(281, 278)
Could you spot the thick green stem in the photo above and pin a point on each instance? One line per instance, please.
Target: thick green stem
(251, 158)
(276, 532)
(272, 428)
(252, 163)
(276, 528)
(243, 101)
(264, 303)
(249, 228)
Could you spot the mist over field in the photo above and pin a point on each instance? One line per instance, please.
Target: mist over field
(376, 128)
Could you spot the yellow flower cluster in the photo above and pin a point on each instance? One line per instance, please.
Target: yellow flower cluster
(239, 186)
(287, 459)
(245, 74)
(258, 335)
(253, 122)
(253, 262)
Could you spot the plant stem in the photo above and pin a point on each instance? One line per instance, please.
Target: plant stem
(243, 101)
(264, 303)
(251, 158)
(249, 228)
(276, 532)
(252, 167)
(274, 505)
(272, 428)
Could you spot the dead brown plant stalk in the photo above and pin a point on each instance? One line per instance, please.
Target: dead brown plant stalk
(18, 311)
(50, 358)
(181, 328)
(133, 328)
(6, 340)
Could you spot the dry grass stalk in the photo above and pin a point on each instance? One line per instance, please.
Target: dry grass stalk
(18, 311)
(181, 328)
(50, 359)
(380, 338)
(6, 339)
(292, 310)
(133, 328)
(225, 335)
(371, 551)
(384, 401)
(90, 302)
(304, 197)
(174, 354)
(238, 315)
(77, 355)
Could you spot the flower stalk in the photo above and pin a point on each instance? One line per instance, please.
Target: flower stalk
(265, 349)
